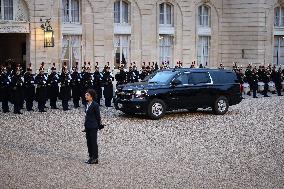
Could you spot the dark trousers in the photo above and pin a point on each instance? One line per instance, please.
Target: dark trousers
(17, 107)
(265, 89)
(29, 105)
(254, 93)
(92, 136)
(65, 104)
(53, 102)
(108, 102)
(76, 102)
(41, 105)
(5, 106)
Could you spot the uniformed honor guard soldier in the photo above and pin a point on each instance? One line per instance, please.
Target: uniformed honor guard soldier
(135, 73)
(144, 72)
(130, 74)
(76, 86)
(17, 83)
(83, 81)
(53, 88)
(87, 82)
(41, 93)
(29, 88)
(108, 86)
(120, 77)
(65, 91)
(5, 82)
(97, 83)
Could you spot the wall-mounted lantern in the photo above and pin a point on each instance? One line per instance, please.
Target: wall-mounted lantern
(48, 34)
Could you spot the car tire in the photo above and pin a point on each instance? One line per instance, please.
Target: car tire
(156, 109)
(221, 105)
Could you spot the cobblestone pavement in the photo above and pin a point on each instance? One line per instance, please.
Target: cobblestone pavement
(242, 149)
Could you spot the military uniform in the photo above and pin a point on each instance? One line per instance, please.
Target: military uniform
(41, 90)
(97, 84)
(65, 90)
(53, 88)
(29, 89)
(75, 84)
(108, 87)
(5, 90)
(87, 83)
(17, 83)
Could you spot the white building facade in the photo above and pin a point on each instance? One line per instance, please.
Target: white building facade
(208, 32)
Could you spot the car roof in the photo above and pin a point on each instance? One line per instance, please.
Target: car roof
(197, 70)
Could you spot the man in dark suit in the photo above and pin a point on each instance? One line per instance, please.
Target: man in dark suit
(92, 125)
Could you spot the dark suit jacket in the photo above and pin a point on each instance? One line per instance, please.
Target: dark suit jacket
(93, 117)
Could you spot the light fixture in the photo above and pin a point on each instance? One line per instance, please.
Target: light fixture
(48, 34)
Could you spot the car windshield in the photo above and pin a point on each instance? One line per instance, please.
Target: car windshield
(163, 77)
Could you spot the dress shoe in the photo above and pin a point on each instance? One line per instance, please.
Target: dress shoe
(54, 108)
(42, 111)
(92, 161)
(84, 130)
(18, 113)
(266, 96)
(66, 109)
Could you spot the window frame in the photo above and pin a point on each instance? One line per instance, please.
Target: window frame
(121, 13)
(162, 56)
(201, 16)
(2, 11)
(120, 46)
(165, 14)
(280, 18)
(70, 10)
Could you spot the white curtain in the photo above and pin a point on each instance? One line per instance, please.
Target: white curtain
(278, 52)
(204, 16)
(162, 15)
(71, 49)
(75, 10)
(124, 12)
(203, 50)
(117, 11)
(64, 52)
(166, 48)
(169, 14)
(121, 44)
(8, 9)
(65, 4)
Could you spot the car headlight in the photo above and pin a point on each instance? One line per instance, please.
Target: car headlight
(140, 93)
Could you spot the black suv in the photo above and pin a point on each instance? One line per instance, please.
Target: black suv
(174, 89)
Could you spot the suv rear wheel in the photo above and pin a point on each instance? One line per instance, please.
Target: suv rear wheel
(156, 109)
(221, 105)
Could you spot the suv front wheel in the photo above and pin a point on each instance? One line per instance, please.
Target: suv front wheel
(221, 105)
(156, 109)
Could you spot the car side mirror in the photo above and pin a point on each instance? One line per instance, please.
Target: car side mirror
(176, 82)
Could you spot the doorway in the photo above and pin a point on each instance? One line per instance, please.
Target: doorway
(13, 49)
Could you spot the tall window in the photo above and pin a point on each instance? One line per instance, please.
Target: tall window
(203, 50)
(278, 54)
(71, 11)
(121, 12)
(6, 9)
(166, 48)
(166, 14)
(71, 49)
(279, 17)
(122, 49)
(204, 16)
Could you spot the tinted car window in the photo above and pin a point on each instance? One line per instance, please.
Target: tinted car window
(183, 78)
(199, 78)
(223, 77)
(163, 77)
